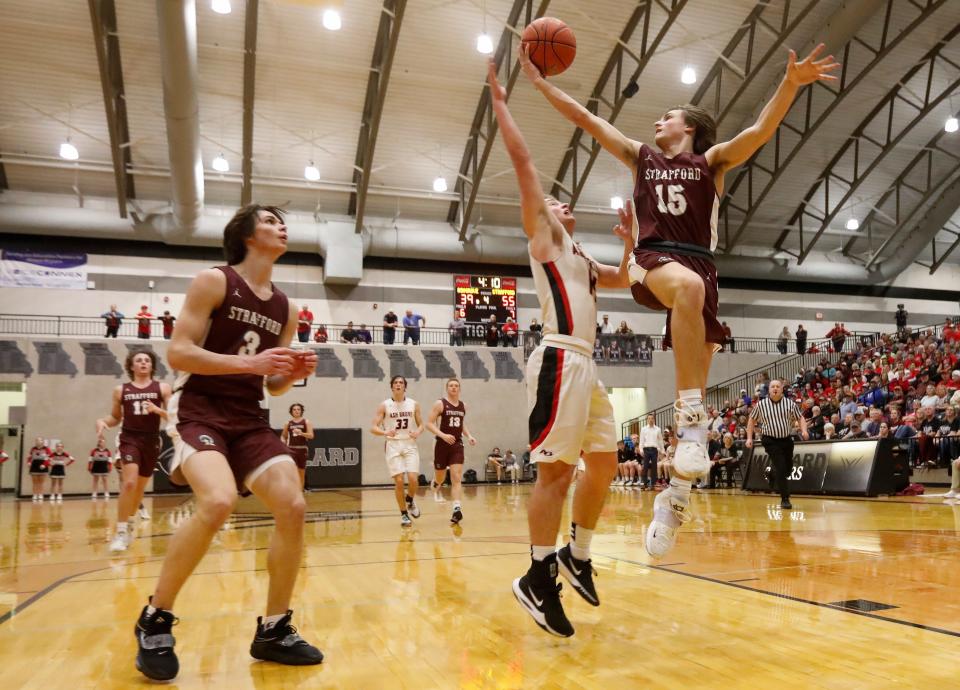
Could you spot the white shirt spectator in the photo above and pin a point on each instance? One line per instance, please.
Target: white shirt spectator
(929, 401)
(651, 437)
(606, 326)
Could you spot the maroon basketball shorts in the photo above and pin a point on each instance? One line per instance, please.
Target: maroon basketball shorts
(233, 427)
(141, 449)
(299, 455)
(645, 260)
(445, 454)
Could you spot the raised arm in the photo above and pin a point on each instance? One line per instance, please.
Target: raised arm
(729, 154)
(609, 137)
(617, 276)
(543, 231)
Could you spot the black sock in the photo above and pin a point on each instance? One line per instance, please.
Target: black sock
(403, 512)
(409, 500)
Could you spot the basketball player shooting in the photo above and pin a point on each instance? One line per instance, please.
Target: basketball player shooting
(677, 189)
(569, 408)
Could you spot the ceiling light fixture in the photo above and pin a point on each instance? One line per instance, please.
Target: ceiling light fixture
(484, 44)
(689, 75)
(853, 224)
(68, 151)
(616, 202)
(221, 6)
(440, 184)
(311, 173)
(331, 20)
(951, 125)
(220, 164)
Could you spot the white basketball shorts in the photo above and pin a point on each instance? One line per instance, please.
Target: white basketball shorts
(403, 457)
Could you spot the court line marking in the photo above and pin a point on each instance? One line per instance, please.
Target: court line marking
(789, 597)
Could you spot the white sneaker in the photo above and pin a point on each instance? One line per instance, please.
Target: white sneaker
(59, 498)
(669, 514)
(119, 543)
(143, 514)
(405, 520)
(413, 509)
(106, 494)
(93, 496)
(951, 494)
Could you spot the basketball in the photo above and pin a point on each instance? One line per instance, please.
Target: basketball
(552, 45)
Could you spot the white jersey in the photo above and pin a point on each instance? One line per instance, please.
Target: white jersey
(399, 417)
(567, 290)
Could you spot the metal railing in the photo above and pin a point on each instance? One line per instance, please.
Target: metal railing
(474, 334)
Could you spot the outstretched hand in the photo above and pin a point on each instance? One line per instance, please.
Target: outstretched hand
(624, 229)
(810, 69)
(497, 92)
(526, 64)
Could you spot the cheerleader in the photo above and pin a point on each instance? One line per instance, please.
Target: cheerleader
(99, 467)
(39, 467)
(59, 460)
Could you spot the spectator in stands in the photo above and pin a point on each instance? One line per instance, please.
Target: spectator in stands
(495, 462)
(745, 400)
(321, 335)
(512, 464)
(411, 327)
(874, 396)
(304, 323)
(848, 407)
(872, 427)
(349, 335)
(884, 430)
(855, 433)
(816, 423)
(535, 327)
(829, 432)
(510, 332)
(113, 319)
(901, 319)
(948, 436)
(143, 322)
(728, 338)
(927, 425)
(624, 329)
(801, 339)
(457, 329)
(364, 335)
(715, 421)
(167, 320)
(782, 340)
(930, 399)
(389, 327)
(724, 461)
(492, 332)
(605, 327)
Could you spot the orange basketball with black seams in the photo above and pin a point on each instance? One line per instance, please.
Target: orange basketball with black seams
(551, 45)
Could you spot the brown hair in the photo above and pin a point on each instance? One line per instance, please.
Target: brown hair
(705, 127)
(128, 363)
(240, 228)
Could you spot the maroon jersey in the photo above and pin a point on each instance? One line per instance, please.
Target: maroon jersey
(296, 441)
(243, 325)
(451, 419)
(136, 417)
(675, 199)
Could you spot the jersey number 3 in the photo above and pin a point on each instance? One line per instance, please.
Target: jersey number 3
(251, 342)
(675, 204)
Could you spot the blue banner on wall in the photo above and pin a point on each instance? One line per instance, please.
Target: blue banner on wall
(28, 268)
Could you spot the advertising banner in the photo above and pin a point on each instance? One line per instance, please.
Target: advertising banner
(35, 269)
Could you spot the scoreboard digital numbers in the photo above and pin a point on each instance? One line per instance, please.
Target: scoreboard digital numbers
(477, 297)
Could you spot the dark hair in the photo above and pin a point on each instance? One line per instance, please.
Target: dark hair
(452, 378)
(128, 363)
(300, 405)
(705, 127)
(402, 378)
(240, 228)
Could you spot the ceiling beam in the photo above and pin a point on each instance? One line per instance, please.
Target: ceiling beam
(385, 47)
(609, 95)
(812, 110)
(103, 19)
(763, 30)
(861, 153)
(484, 126)
(943, 257)
(249, 86)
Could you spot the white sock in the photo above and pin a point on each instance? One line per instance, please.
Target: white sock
(456, 505)
(680, 487)
(121, 528)
(540, 553)
(580, 538)
(270, 621)
(151, 609)
(691, 396)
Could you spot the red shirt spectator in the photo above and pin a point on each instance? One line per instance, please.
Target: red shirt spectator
(143, 322)
(304, 322)
(321, 335)
(167, 321)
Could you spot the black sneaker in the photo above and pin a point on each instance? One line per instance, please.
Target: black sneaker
(457, 516)
(579, 574)
(282, 644)
(785, 504)
(543, 602)
(155, 656)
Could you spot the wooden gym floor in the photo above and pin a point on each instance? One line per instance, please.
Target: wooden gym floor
(749, 598)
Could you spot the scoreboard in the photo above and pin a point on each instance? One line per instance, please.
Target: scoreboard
(477, 297)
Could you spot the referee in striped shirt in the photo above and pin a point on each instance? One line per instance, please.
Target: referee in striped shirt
(775, 416)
